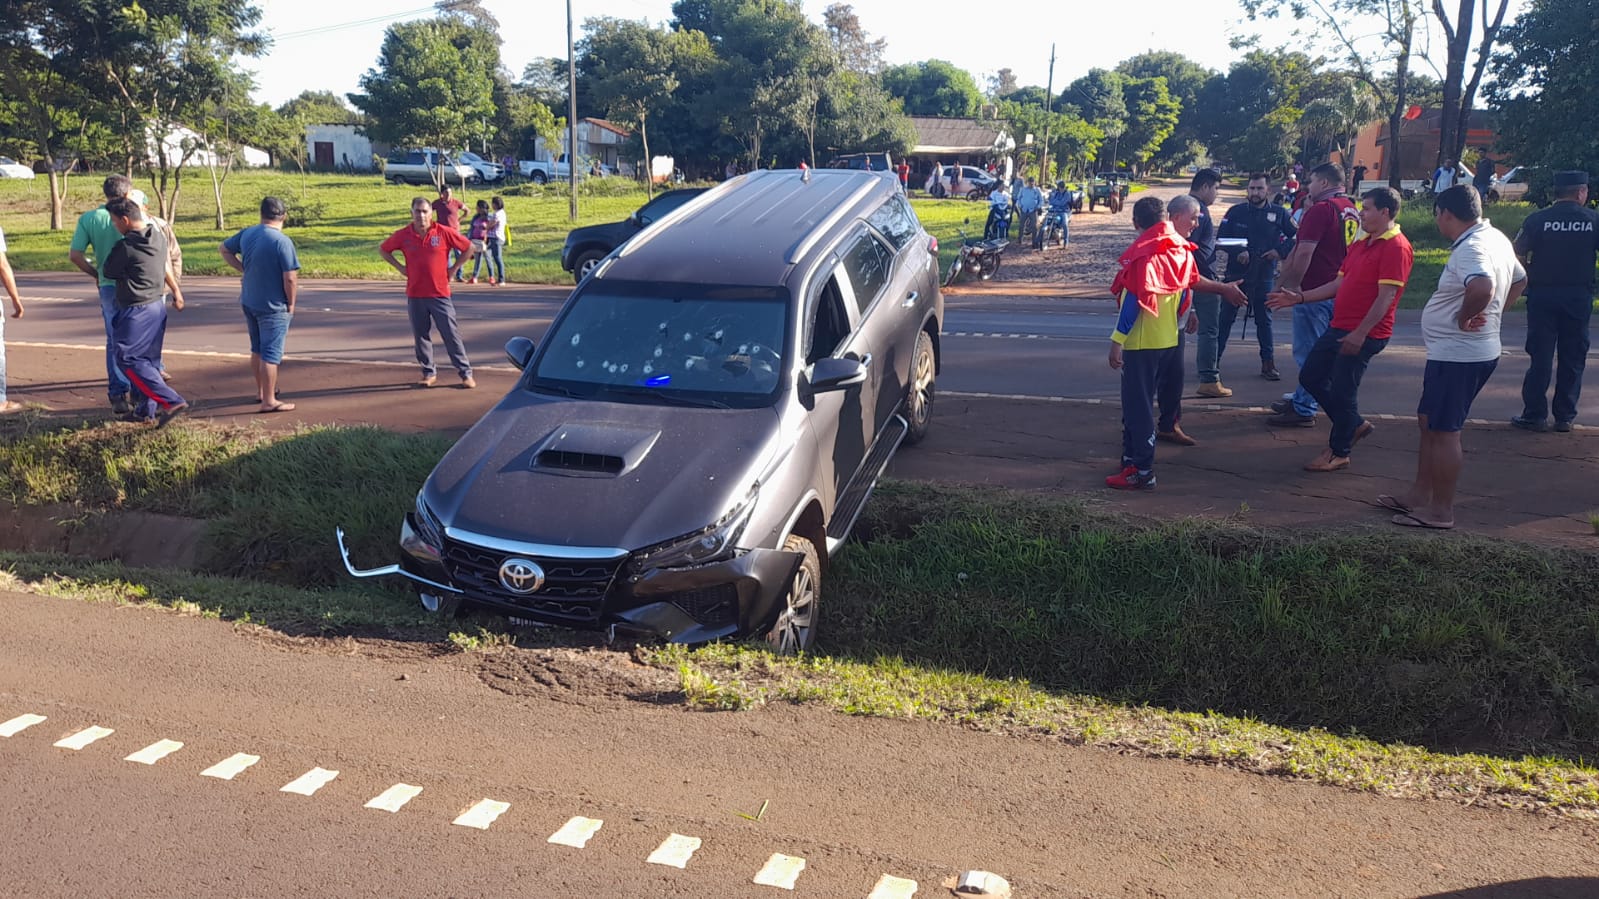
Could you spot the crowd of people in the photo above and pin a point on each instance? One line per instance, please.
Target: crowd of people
(1343, 271)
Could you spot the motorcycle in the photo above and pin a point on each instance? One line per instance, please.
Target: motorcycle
(1052, 228)
(998, 226)
(976, 255)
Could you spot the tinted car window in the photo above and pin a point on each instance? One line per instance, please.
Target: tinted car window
(721, 343)
(866, 262)
(895, 220)
(829, 323)
(661, 205)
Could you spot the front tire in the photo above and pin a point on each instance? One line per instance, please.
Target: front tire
(794, 631)
(538, 178)
(919, 397)
(585, 263)
(397, 179)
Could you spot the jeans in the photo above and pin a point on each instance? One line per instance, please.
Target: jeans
(1557, 337)
(425, 314)
(1310, 322)
(1334, 380)
(1207, 351)
(495, 252)
(1149, 376)
(1257, 305)
(117, 385)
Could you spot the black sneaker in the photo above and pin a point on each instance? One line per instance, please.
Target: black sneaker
(1291, 419)
(121, 406)
(1528, 424)
(166, 416)
(1563, 426)
(1282, 406)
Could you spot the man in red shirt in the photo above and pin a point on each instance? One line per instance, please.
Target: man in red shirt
(426, 245)
(1329, 223)
(1365, 294)
(447, 212)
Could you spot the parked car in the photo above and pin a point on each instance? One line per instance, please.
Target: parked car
(971, 182)
(418, 166)
(586, 246)
(702, 423)
(487, 170)
(880, 161)
(1511, 187)
(10, 168)
(543, 171)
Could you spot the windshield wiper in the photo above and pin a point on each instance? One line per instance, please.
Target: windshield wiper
(545, 387)
(669, 399)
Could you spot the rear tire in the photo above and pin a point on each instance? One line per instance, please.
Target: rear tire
(794, 631)
(585, 263)
(538, 178)
(919, 395)
(397, 179)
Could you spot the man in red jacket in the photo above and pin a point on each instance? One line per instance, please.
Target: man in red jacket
(426, 245)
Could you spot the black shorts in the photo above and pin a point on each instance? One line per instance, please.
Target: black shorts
(1447, 390)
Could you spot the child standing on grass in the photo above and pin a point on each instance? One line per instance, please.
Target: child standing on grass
(478, 233)
(499, 236)
(1153, 290)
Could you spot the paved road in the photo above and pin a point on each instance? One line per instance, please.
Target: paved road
(1019, 346)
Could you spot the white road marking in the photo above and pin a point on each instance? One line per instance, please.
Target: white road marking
(155, 752)
(482, 814)
(891, 887)
(309, 782)
(230, 766)
(394, 798)
(780, 871)
(675, 850)
(84, 737)
(19, 724)
(576, 832)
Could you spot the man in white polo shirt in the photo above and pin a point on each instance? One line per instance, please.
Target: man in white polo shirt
(1460, 326)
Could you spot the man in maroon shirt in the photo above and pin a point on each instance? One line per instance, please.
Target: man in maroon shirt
(1330, 223)
(447, 212)
(426, 245)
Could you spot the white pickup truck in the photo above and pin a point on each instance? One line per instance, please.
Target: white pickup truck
(543, 171)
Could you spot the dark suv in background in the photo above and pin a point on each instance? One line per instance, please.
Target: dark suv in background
(586, 246)
(697, 432)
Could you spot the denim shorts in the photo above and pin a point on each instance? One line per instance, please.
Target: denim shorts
(1447, 390)
(268, 330)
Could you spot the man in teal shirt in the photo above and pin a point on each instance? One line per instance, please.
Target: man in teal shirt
(96, 230)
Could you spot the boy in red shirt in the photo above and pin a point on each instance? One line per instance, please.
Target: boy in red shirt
(1365, 295)
(426, 245)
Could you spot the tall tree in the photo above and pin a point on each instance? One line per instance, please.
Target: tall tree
(430, 88)
(545, 81)
(857, 51)
(1543, 86)
(1002, 84)
(1185, 79)
(319, 108)
(934, 88)
(631, 70)
(1459, 94)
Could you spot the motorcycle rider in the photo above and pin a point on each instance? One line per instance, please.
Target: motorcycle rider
(1028, 201)
(1060, 209)
(998, 214)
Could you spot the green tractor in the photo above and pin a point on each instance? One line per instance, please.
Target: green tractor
(1109, 189)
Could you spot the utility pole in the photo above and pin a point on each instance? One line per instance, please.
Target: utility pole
(1049, 103)
(571, 113)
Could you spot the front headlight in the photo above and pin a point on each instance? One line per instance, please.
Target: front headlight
(428, 527)
(713, 543)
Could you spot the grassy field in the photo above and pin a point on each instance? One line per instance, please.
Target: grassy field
(986, 608)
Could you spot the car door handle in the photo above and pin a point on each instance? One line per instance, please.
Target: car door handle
(910, 300)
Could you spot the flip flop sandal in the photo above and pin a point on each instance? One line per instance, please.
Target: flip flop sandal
(280, 407)
(1406, 519)
(1392, 504)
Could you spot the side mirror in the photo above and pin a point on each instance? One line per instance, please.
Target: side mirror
(836, 374)
(519, 350)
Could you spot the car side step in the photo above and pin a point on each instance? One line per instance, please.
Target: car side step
(853, 501)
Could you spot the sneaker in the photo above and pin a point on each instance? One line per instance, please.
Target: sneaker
(1563, 427)
(1131, 479)
(1528, 424)
(469, 383)
(1215, 389)
(1176, 435)
(427, 381)
(472, 280)
(1291, 419)
(121, 406)
(1282, 406)
(166, 415)
(1268, 370)
(491, 283)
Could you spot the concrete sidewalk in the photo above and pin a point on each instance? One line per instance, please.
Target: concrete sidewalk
(1534, 487)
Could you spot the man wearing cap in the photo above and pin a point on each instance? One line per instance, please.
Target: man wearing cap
(1558, 244)
(174, 255)
(95, 230)
(265, 256)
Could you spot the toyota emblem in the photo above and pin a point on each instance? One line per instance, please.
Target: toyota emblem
(521, 576)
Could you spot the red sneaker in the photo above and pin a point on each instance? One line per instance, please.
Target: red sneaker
(1131, 479)
(491, 282)
(472, 280)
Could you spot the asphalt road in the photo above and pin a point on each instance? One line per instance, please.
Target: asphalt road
(1017, 346)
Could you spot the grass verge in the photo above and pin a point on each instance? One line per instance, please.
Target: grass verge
(1199, 639)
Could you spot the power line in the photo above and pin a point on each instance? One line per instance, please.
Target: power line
(325, 29)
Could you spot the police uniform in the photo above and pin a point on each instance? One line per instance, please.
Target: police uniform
(1266, 227)
(1560, 244)
(1207, 306)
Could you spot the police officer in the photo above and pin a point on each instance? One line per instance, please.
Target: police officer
(1207, 306)
(1559, 246)
(1270, 230)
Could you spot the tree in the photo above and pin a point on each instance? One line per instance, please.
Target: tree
(1458, 95)
(855, 49)
(1185, 80)
(226, 124)
(544, 79)
(631, 71)
(1152, 115)
(1099, 99)
(319, 108)
(857, 114)
(431, 87)
(1543, 86)
(934, 88)
(1002, 84)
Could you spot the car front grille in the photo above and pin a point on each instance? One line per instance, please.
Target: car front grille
(711, 606)
(574, 589)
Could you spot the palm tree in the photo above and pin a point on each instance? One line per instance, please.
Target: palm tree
(1338, 118)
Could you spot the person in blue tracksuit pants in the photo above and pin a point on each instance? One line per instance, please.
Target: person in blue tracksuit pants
(138, 265)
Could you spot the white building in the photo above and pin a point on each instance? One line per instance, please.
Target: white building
(337, 146)
(180, 140)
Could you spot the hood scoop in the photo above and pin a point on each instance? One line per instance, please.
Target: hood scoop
(593, 451)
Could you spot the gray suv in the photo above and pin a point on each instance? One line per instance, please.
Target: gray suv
(701, 425)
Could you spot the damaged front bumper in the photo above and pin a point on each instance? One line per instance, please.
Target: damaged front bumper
(694, 604)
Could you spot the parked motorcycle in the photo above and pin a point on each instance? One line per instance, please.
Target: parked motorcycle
(976, 256)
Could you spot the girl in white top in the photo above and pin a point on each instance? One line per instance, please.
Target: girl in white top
(496, 243)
